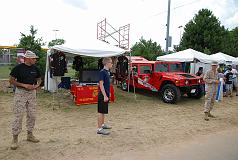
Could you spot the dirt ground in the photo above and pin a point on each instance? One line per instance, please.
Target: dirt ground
(146, 123)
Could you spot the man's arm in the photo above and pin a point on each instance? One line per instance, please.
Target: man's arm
(38, 83)
(13, 81)
(208, 79)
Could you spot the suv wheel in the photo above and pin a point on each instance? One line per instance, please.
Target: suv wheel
(170, 93)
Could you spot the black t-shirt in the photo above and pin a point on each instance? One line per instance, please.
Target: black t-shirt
(104, 76)
(25, 74)
(229, 76)
(198, 73)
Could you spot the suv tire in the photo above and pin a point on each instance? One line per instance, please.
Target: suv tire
(170, 93)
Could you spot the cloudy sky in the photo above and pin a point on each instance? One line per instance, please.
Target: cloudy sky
(77, 20)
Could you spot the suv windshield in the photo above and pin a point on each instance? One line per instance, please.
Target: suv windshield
(175, 68)
(161, 68)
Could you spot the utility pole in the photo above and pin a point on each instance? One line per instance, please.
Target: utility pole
(55, 30)
(180, 27)
(168, 38)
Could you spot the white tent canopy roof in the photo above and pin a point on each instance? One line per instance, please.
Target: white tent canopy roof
(188, 55)
(224, 58)
(92, 48)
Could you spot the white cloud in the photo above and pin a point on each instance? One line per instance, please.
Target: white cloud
(77, 3)
(232, 21)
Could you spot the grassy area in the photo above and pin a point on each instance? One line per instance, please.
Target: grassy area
(4, 71)
(71, 72)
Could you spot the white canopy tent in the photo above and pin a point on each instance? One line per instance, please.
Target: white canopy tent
(94, 48)
(196, 58)
(188, 55)
(224, 58)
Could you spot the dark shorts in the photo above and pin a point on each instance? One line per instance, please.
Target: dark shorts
(102, 106)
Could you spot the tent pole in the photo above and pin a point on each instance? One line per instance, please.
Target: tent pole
(47, 76)
(129, 73)
(133, 82)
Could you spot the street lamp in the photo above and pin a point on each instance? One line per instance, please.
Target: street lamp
(180, 31)
(55, 30)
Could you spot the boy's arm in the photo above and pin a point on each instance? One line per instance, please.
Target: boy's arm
(103, 91)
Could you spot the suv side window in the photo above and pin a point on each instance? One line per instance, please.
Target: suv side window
(161, 68)
(144, 69)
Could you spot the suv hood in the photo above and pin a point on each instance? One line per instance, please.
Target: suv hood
(180, 75)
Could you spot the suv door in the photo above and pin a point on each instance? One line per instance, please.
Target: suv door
(144, 75)
(159, 69)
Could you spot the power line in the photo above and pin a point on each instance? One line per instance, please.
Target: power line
(174, 8)
(186, 4)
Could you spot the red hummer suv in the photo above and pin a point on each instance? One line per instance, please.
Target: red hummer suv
(166, 78)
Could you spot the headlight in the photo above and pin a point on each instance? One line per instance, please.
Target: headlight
(199, 81)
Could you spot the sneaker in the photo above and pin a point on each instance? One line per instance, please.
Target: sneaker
(103, 132)
(104, 126)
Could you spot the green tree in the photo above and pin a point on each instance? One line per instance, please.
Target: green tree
(203, 33)
(30, 42)
(147, 49)
(56, 42)
(230, 43)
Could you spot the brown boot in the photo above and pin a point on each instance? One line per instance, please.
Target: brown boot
(14, 144)
(206, 116)
(210, 115)
(32, 138)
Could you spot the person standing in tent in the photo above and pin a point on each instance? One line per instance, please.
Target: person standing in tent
(200, 72)
(26, 77)
(229, 82)
(211, 80)
(234, 78)
(103, 96)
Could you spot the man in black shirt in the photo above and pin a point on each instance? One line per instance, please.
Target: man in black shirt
(228, 81)
(200, 72)
(26, 77)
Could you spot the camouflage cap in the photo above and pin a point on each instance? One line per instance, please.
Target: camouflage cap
(30, 54)
(214, 63)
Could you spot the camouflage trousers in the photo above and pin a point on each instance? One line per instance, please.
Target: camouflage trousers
(210, 98)
(24, 101)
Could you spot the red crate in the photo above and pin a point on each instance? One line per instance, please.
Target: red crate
(89, 94)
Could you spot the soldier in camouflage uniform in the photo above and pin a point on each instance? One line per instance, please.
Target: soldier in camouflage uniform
(26, 77)
(211, 80)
